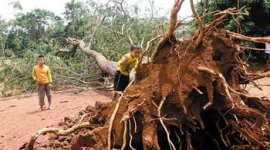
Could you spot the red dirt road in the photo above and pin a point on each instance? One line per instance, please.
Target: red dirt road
(264, 84)
(19, 119)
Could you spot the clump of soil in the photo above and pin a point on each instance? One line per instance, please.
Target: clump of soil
(187, 98)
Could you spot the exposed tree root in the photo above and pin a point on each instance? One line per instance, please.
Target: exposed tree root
(58, 132)
(173, 25)
(163, 125)
(191, 94)
(112, 121)
(130, 136)
(125, 135)
(250, 39)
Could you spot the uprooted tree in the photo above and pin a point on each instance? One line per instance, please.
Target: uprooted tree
(190, 96)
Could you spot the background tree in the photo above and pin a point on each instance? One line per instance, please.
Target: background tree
(3, 36)
(252, 24)
(76, 17)
(29, 29)
(42, 32)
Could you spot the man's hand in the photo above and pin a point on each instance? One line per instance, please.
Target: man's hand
(125, 60)
(50, 85)
(38, 82)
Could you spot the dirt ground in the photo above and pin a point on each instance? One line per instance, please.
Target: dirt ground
(264, 84)
(21, 118)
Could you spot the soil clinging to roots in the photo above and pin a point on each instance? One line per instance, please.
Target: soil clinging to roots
(186, 98)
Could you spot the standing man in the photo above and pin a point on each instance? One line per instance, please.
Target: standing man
(42, 75)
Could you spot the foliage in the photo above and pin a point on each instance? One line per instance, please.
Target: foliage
(42, 32)
(254, 23)
(3, 36)
(28, 30)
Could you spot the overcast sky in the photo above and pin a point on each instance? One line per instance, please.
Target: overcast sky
(58, 6)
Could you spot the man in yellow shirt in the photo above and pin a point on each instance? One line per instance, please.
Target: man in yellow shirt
(42, 75)
(124, 67)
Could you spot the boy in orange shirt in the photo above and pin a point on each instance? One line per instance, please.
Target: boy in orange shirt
(42, 75)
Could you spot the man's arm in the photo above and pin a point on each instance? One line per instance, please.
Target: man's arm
(49, 75)
(34, 76)
(123, 60)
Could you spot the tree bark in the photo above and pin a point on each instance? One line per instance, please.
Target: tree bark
(103, 63)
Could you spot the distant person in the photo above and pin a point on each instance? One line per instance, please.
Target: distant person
(42, 75)
(267, 53)
(124, 67)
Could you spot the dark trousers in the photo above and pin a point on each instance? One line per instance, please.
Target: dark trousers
(42, 90)
(120, 81)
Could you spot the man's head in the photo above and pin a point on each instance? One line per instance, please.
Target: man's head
(135, 50)
(40, 60)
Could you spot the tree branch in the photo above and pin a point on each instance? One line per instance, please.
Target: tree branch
(204, 11)
(127, 16)
(94, 33)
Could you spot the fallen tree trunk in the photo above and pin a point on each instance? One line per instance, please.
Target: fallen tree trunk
(103, 63)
